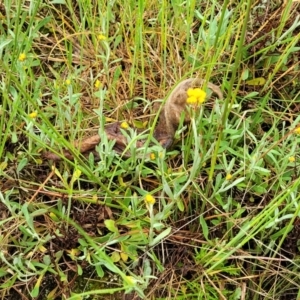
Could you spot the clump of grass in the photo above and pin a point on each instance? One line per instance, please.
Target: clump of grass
(217, 216)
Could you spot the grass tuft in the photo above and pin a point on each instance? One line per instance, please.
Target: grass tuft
(215, 217)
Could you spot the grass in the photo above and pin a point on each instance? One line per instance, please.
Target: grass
(215, 217)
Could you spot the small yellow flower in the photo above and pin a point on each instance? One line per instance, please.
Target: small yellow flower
(191, 100)
(228, 177)
(195, 96)
(190, 92)
(124, 125)
(297, 130)
(73, 253)
(152, 156)
(32, 115)
(68, 81)
(292, 158)
(149, 199)
(101, 37)
(97, 84)
(22, 57)
(197, 92)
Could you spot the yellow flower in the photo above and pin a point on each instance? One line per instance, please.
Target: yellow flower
(191, 100)
(97, 83)
(152, 156)
(73, 253)
(228, 177)
(195, 96)
(124, 125)
(33, 115)
(292, 158)
(101, 37)
(297, 130)
(22, 57)
(149, 199)
(68, 82)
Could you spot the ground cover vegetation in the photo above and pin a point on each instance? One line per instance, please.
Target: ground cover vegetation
(215, 217)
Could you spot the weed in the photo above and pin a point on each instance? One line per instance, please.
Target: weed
(215, 217)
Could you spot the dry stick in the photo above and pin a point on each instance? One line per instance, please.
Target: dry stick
(42, 186)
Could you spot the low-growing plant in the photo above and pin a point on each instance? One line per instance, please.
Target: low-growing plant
(214, 217)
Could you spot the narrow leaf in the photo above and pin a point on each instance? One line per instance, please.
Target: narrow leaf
(160, 237)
